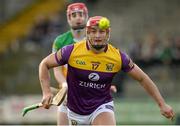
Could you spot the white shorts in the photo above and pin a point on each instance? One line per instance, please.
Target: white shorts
(63, 106)
(76, 119)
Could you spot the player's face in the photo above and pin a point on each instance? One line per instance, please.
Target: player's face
(77, 20)
(97, 37)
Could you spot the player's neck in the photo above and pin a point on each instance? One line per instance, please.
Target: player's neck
(78, 34)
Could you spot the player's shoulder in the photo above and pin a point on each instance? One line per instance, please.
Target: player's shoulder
(68, 47)
(112, 47)
(80, 43)
(62, 40)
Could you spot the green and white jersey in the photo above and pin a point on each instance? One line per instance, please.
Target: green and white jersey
(63, 40)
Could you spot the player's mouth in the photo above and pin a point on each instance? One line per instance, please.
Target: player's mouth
(78, 26)
(78, 23)
(98, 40)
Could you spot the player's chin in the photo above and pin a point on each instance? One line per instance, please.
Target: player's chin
(78, 27)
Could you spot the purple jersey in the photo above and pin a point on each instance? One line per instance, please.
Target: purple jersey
(89, 75)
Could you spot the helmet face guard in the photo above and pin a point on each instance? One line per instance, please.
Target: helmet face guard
(94, 22)
(75, 8)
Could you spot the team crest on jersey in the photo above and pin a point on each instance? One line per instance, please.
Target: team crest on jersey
(109, 66)
(95, 65)
(93, 77)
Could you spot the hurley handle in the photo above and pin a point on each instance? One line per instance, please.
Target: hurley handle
(29, 108)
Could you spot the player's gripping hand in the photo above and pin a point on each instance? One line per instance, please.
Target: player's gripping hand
(167, 111)
(47, 100)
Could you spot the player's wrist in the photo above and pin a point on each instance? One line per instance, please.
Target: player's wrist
(161, 104)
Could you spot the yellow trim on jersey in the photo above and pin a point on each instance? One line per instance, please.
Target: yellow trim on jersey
(82, 58)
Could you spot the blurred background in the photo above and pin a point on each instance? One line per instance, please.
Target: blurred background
(148, 30)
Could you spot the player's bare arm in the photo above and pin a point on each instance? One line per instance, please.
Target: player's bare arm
(137, 74)
(44, 77)
(59, 76)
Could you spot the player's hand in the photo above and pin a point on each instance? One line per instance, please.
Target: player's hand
(167, 111)
(47, 99)
(113, 88)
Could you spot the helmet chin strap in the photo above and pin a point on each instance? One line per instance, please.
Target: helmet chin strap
(97, 47)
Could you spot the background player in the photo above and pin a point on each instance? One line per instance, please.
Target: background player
(77, 16)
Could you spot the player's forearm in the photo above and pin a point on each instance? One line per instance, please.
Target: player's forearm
(44, 77)
(152, 89)
(59, 76)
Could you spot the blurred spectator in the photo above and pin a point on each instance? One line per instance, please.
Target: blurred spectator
(39, 30)
(43, 33)
(151, 49)
(33, 41)
(166, 55)
(57, 24)
(135, 50)
(177, 48)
